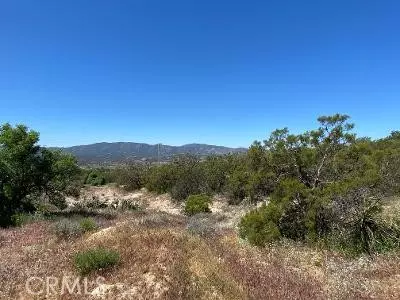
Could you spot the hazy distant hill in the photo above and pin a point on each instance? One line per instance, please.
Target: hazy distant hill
(101, 153)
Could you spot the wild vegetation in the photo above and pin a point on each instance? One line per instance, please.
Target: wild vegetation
(31, 176)
(95, 259)
(324, 186)
(196, 204)
(322, 207)
(329, 187)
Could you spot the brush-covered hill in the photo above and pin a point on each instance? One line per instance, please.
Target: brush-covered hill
(120, 152)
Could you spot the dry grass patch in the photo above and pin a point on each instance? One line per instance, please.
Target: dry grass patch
(265, 277)
(148, 257)
(375, 277)
(209, 273)
(31, 251)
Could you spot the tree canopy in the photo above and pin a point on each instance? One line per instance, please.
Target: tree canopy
(27, 171)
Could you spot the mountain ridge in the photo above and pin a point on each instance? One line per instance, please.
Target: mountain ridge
(124, 152)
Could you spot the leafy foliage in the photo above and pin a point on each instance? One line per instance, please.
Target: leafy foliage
(183, 177)
(327, 185)
(259, 226)
(95, 259)
(160, 179)
(95, 179)
(88, 224)
(196, 204)
(190, 177)
(131, 177)
(29, 173)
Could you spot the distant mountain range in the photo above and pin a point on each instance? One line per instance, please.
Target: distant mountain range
(122, 152)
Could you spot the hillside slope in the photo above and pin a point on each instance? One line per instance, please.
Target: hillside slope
(128, 151)
(167, 255)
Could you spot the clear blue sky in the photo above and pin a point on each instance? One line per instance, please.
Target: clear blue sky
(220, 72)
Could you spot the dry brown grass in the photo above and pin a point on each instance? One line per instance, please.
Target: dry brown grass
(263, 276)
(162, 259)
(32, 251)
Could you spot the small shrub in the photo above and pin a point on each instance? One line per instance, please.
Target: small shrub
(197, 204)
(95, 259)
(160, 179)
(95, 179)
(260, 225)
(185, 187)
(88, 224)
(130, 177)
(66, 228)
(20, 219)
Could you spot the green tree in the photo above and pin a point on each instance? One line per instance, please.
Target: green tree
(328, 184)
(160, 179)
(27, 171)
(190, 177)
(309, 156)
(216, 170)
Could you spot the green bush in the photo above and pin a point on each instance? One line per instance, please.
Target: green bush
(95, 259)
(95, 179)
(88, 224)
(185, 187)
(131, 177)
(216, 169)
(236, 186)
(259, 226)
(197, 204)
(259, 185)
(160, 179)
(293, 198)
(182, 177)
(20, 219)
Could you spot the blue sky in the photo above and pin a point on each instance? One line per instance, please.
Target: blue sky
(219, 72)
